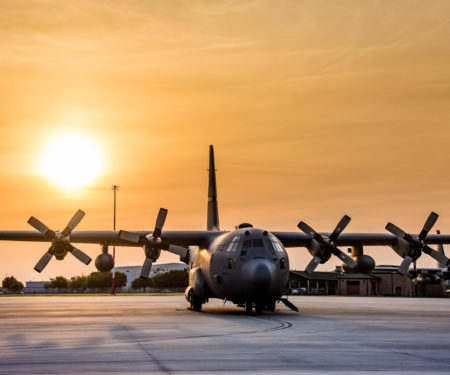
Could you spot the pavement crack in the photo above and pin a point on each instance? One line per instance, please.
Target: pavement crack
(146, 351)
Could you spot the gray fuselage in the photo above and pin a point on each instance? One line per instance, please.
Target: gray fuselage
(246, 264)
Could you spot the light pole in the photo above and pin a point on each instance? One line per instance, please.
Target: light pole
(115, 188)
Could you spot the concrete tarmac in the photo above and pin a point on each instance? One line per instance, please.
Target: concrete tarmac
(142, 334)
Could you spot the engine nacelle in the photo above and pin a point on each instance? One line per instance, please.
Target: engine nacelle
(104, 262)
(365, 264)
(198, 282)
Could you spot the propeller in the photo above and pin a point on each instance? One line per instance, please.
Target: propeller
(60, 241)
(325, 246)
(153, 243)
(416, 244)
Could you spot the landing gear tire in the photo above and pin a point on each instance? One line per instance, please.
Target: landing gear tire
(259, 308)
(196, 305)
(248, 307)
(270, 306)
(195, 301)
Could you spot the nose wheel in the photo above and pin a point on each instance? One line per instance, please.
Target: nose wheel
(270, 306)
(248, 307)
(259, 307)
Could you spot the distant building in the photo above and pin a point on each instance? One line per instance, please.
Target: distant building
(383, 281)
(134, 272)
(424, 282)
(334, 283)
(37, 287)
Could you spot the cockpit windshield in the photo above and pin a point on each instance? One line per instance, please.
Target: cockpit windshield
(233, 244)
(270, 243)
(256, 242)
(276, 244)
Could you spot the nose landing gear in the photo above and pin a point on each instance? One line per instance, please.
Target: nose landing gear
(260, 306)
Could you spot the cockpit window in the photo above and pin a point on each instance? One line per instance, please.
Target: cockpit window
(258, 242)
(270, 246)
(247, 244)
(233, 244)
(276, 244)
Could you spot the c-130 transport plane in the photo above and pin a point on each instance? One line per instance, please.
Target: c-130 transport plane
(247, 266)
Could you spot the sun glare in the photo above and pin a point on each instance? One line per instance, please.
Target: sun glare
(71, 160)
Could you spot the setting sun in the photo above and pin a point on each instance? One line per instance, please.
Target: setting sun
(71, 160)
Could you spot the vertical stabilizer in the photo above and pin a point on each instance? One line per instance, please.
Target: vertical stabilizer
(213, 210)
(441, 250)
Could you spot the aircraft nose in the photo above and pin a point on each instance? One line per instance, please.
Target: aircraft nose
(259, 274)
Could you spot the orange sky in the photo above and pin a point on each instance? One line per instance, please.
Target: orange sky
(315, 108)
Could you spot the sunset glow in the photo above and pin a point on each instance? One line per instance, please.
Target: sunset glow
(316, 109)
(71, 161)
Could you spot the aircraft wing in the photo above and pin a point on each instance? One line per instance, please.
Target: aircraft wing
(179, 238)
(203, 238)
(298, 239)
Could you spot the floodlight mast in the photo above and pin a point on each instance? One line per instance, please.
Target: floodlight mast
(115, 188)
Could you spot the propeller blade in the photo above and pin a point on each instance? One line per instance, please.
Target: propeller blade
(310, 232)
(128, 236)
(428, 225)
(312, 265)
(40, 227)
(404, 266)
(43, 261)
(395, 230)
(160, 220)
(73, 223)
(349, 261)
(146, 267)
(339, 228)
(441, 258)
(82, 257)
(289, 304)
(179, 250)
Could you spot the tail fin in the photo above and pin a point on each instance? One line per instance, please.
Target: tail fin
(441, 250)
(213, 209)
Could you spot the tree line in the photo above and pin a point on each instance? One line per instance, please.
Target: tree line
(12, 284)
(101, 281)
(171, 279)
(95, 280)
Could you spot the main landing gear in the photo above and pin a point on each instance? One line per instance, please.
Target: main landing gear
(194, 300)
(196, 304)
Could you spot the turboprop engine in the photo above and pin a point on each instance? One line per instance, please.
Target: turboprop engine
(364, 264)
(104, 262)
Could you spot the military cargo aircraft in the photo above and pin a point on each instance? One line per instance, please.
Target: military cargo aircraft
(247, 266)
